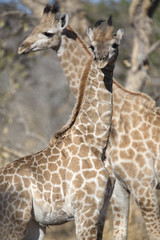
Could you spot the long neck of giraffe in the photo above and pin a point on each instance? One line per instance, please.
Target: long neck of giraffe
(92, 115)
(73, 55)
(95, 116)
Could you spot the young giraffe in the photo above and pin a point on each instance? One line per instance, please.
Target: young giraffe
(66, 180)
(133, 153)
(134, 146)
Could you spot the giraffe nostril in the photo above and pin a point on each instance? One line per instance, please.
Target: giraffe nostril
(23, 45)
(23, 48)
(100, 57)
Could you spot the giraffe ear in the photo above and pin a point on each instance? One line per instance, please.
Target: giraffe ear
(90, 33)
(63, 20)
(119, 35)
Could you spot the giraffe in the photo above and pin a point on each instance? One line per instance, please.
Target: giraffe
(134, 145)
(67, 180)
(133, 153)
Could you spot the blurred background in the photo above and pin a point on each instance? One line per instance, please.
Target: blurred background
(35, 100)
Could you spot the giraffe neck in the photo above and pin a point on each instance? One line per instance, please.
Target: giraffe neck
(94, 118)
(73, 55)
(91, 117)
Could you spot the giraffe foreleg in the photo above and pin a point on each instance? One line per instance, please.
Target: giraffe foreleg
(120, 209)
(87, 216)
(86, 222)
(148, 204)
(15, 206)
(14, 224)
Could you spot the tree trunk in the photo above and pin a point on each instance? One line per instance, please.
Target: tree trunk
(141, 12)
(35, 6)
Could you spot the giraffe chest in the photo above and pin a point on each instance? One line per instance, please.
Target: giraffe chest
(52, 213)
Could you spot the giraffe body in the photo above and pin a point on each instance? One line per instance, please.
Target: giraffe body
(67, 180)
(133, 153)
(50, 190)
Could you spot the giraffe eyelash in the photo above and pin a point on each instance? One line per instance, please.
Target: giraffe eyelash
(47, 34)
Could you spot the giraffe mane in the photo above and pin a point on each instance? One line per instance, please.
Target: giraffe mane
(143, 98)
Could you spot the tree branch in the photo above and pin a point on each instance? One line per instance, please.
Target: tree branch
(21, 14)
(152, 49)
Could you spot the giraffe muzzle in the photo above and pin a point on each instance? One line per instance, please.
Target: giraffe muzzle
(24, 48)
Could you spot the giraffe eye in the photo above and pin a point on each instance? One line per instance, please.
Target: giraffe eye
(92, 48)
(48, 34)
(114, 45)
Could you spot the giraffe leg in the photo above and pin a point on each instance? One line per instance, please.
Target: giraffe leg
(89, 225)
(35, 231)
(86, 222)
(120, 208)
(148, 204)
(15, 211)
(13, 230)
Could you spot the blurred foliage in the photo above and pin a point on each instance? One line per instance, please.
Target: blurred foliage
(154, 58)
(13, 69)
(103, 9)
(14, 25)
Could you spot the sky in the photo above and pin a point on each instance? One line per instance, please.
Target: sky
(20, 5)
(7, 1)
(25, 9)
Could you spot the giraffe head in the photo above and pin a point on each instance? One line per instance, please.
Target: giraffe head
(48, 33)
(104, 43)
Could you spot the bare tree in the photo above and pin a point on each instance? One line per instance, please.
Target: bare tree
(141, 12)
